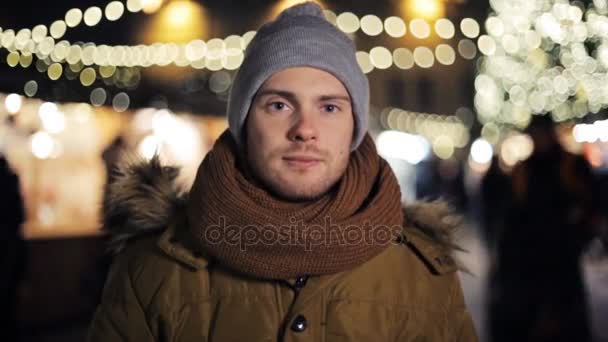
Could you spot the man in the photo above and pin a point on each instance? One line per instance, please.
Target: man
(293, 229)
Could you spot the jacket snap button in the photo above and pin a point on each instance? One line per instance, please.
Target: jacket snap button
(299, 324)
(300, 282)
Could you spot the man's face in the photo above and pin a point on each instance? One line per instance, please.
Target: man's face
(299, 132)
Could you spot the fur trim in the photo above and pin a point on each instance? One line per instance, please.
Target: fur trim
(141, 199)
(437, 220)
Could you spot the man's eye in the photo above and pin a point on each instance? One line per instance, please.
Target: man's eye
(277, 105)
(331, 108)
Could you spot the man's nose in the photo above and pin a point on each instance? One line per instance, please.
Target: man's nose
(305, 127)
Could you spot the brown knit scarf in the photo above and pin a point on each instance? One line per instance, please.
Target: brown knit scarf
(247, 229)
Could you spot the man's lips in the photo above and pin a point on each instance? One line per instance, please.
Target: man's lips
(302, 161)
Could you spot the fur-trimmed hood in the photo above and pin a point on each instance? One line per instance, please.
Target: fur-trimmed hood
(144, 197)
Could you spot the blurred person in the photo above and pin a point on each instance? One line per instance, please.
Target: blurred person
(258, 250)
(537, 291)
(12, 250)
(495, 200)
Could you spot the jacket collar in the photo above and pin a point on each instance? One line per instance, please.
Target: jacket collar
(144, 199)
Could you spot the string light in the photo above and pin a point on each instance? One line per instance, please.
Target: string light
(445, 28)
(73, 17)
(114, 10)
(371, 25)
(92, 16)
(420, 28)
(542, 58)
(215, 54)
(365, 62)
(12, 59)
(403, 58)
(58, 29)
(424, 57)
(469, 27)
(381, 58)
(395, 27)
(445, 132)
(348, 22)
(98, 97)
(30, 88)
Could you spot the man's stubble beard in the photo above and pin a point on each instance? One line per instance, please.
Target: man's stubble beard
(273, 181)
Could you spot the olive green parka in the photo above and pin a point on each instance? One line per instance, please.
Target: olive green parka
(159, 290)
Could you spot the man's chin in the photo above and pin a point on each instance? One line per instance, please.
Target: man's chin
(300, 193)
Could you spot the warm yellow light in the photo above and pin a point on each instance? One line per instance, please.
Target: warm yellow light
(92, 16)
(46, 46)
(87, 76)
(25, 60)
(330, 16)
(114, 10)
(214, 64)
(74, 54)
(73, 17)
(107, 71)
(248, 36)
(12, 59)
(403, 58)
(8, 38)
(60, 51)
(233, 62)
(22, 38)
(87, 54)
(151, 6)
(395, 27)
(178, 12)
(420, 28)
(381, 58)
(180, 22)
(424, 57)
(445, 54)
(428, 9)
(364, 61)
(371, 25)
(199, 63)
(39, 33)
(58, 29)
(234, 44)
(76, 67)
(54, 71)
(348, 22)
(134, 5)
(283, 5)
(443, 146)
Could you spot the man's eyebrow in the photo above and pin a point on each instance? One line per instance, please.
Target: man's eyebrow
(335, 97)
(286, 94)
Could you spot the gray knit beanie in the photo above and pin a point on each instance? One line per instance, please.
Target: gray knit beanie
(300, 36)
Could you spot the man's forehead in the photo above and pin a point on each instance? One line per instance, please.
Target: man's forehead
(304, 81)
